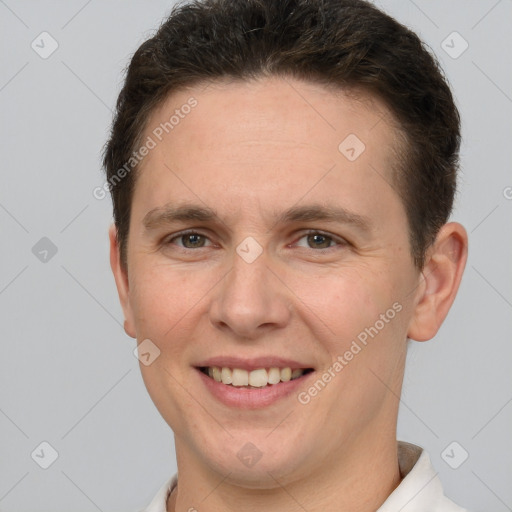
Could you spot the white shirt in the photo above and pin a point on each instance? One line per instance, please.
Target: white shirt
(419, 491)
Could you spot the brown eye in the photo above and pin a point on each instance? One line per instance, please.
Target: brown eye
(319, 240)
(194, 239)
(190, 240)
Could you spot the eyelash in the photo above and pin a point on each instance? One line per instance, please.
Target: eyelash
(340, 241)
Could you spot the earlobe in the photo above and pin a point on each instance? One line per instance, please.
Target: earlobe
(122, 283)
(440, 280)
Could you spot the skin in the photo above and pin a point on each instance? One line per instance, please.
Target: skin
(251, 150)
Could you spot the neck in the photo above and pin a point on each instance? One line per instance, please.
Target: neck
(355, 480)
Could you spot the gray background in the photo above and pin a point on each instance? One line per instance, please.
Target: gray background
(67, 372)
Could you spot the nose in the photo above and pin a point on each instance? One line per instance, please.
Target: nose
(251, 300)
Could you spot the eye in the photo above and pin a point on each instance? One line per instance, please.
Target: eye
(314, 240)
(189, 240)
(319, 240)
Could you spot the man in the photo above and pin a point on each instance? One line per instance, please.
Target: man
(282, 174)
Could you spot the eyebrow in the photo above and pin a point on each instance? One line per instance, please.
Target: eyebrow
(168, 214)
(318, 212)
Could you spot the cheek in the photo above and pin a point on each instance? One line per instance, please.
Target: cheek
(160, 308)
(366, 323)
(345, 300)
(337, 303)
(367, 320)
(164, 301)
(162, 297)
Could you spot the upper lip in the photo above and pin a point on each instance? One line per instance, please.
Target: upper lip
(252, 363)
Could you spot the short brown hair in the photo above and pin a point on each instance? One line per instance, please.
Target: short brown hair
(346, 44)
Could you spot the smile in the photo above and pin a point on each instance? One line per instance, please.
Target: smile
(258, 378)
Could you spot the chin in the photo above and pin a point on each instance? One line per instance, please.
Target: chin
(256, 461)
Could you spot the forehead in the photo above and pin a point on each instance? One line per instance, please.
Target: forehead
(302, 111)
(253, 140)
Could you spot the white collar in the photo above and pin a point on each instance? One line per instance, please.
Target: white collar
(419, 491)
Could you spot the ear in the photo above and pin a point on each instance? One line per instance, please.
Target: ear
(121, 278)
(439, 281)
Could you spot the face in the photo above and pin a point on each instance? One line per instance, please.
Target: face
(266, 233)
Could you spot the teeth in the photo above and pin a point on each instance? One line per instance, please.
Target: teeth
(226, 376)
(256, 378)
(240, 377)
(216, 374)
(286, 374)
(296, 373)
(274, 375)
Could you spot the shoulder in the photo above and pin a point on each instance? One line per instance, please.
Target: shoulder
(420, 489)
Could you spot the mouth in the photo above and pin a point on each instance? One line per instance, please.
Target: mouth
(255, 379)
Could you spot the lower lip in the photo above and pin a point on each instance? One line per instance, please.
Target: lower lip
(251, 398)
